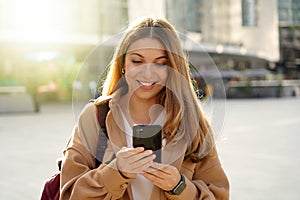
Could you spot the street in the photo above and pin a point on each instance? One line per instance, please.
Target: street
(258, 148)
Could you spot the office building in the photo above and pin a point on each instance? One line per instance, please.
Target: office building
(289, 28)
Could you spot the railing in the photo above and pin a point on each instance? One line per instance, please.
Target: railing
(12, 89)
(263, 88)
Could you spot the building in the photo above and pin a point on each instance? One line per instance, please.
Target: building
(238, 35)
(289, 28)
(242, 38)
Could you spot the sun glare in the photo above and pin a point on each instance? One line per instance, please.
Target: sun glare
(36, 20)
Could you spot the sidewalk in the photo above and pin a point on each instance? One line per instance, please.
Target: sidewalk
(29, 145)
(259, 149)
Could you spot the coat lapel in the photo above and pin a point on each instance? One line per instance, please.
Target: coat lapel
(115, 124)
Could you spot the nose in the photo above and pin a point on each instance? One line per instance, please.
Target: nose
(148, 70)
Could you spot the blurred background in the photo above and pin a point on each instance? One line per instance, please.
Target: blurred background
(255, 45)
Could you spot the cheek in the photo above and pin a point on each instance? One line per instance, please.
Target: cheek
(163, 74)
(126, 65)
(128, 70)
(131, 72)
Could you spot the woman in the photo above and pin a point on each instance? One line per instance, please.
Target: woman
(148, 83)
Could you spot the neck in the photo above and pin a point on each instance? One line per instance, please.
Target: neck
(140, 111)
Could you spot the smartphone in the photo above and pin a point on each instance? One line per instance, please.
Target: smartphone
(148, 136)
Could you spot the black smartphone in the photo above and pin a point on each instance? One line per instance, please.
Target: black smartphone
(148, 136)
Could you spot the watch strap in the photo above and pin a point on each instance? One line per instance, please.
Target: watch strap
(177, 190)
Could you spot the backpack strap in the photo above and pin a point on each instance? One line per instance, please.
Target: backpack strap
(102, 109)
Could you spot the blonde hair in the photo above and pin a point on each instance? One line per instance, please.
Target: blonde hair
(184, 115)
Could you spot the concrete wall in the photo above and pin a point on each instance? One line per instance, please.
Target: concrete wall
(138, 9)
(12, 103)
(264, 38)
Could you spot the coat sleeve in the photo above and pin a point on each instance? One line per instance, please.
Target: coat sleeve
(81, 180)
(79, 177)
(208, 182)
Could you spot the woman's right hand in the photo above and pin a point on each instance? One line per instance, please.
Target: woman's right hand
(131, 161)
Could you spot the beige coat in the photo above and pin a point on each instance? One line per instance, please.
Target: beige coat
(81, 180)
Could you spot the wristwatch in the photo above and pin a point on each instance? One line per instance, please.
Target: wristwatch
(179, 187)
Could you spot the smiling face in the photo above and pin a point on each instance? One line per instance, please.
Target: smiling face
(146, 70)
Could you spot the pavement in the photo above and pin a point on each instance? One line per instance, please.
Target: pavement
(259, 148)
(30, 143)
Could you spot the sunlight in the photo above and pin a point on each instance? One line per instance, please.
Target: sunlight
(36, 21)
(34, 15)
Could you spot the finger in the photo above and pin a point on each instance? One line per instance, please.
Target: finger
(137, 149)
(156, 180)
(139, 165)
(157, 173)
(159, 166)
(151, 177)
(156, 168)
(134, 159)
(162, 180)
(168, 169)
(144, 163)
(139, 156)
(128, 152)
(131, 151)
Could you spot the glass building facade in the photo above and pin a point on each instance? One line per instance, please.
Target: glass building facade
(289, 29)
(289, 12)
(186, 15)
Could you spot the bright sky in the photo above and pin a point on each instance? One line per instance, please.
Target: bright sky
(37, 20)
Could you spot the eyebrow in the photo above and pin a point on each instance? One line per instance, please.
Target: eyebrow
(143, 56)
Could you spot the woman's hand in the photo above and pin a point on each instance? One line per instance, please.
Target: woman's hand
(164, 176)
(131, 161)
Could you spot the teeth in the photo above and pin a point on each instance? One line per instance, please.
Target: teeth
(146, 83)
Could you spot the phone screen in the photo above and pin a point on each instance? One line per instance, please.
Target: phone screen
(148, 136)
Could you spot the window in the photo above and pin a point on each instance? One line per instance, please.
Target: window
(186, 16)
(249, 12)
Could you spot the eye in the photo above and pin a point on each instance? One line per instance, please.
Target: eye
(136, 61)
(160, 64)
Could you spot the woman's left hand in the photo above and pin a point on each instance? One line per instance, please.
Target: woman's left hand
(163, 176)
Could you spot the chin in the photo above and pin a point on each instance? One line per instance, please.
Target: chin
(146, 95)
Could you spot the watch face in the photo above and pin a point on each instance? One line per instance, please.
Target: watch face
(180, 188)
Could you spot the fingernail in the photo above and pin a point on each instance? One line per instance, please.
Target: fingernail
(140, 148)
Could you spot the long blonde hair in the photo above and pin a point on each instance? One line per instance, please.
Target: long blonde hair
(184, 114)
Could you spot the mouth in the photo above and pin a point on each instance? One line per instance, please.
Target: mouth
(147, 84)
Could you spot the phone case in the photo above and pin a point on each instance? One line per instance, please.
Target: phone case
(148, 136)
